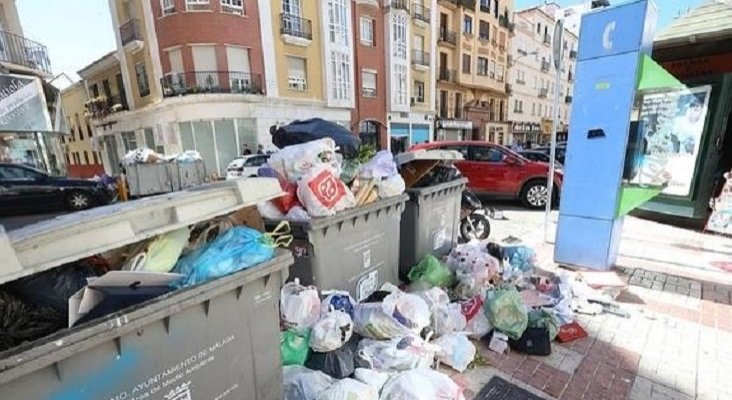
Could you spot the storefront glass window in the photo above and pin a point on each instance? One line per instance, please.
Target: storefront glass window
(42, 151)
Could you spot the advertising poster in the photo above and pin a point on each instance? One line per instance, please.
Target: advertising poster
(673, 124)
(721, 219)
(23, 105)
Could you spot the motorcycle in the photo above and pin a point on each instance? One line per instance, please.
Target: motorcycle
(474, 224)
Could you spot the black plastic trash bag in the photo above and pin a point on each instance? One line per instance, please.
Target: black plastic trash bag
(21, 322)
(304, 131)
(437, 175)
(53, 288)
(338, 363)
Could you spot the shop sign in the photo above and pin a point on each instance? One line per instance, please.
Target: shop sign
(546, 126)
(23, 105)
(454, 124)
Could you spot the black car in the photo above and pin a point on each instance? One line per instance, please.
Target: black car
(26, 189)
(561, 151)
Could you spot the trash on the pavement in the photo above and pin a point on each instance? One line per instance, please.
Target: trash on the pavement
(498, 342)
(299, 305)
(370, 320)
(339, 363)
(375, 379)
(332, 331)
(534, 298)
(506, 312)
(455, 350)
(338, 300)
(570, 332)
(407, 309)
(398, 354)
(533, 341)
(602, 279)
(543, 318)
(432, 271)
(301, 383)
(449, 318)
(349, 389)
(421, 383)
(294, 346)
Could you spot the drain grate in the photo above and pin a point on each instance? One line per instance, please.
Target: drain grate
(501, 389)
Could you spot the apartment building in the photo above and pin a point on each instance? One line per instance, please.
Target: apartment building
(82, 161)
(473, 45)
(215, 75)
(532, 78)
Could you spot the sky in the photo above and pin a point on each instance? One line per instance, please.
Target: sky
(76, 36)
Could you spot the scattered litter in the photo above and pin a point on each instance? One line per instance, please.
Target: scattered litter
(421, 384)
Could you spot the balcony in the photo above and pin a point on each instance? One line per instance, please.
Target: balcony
(573, 54)
(449, 3)
(485, 7)
(102, 106)
(543, 92)
(547, 39)
(503, 21)
(447, 36)
(130, 32)
(469, 4)
(568, 99)
(447, 75)
(400, 5)
(201, 82)
(295, 27)
(420, 13)
(420, 58)
(21, 51)
(545, 66)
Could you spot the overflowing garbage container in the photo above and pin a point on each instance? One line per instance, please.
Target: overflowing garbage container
(148, 173)
(168, 297)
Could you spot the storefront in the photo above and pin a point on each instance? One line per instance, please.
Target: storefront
(453, 129)
(525, 132)
(402, 136)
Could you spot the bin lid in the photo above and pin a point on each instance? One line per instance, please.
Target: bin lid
(435, 155)
(71, 237)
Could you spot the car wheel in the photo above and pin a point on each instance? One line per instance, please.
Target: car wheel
(76, 201)
(534, 194)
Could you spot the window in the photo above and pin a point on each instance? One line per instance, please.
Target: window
(338, 21)
(292, 7)
(466, 63)
(96, 158)
(367, 31)
(533, 109)
(538, 27)
(240, 77)
(400, 95)
(12, 173)
(485, 5)
(499, 73)
(86, 157)
(486, 154)
(492, 69)
(197, 5)
(458, 105)
(536, 83)
(484, 30)
(107, 88)
(150, 142)
(419, 92)
(482, 66)
(462, 149)
(368, 83)
(89, 132)
(399, 37)
(340, 64)
(129, 141)
(233, 6)
(468, 25)
(95, 90)
(495, 8)
(205, 65)
(168, 7)
(142, 83)
(297, 73)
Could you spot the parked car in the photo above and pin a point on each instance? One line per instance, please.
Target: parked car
(538, 156)
(245, 166)
(560, 154)
(26, 189)
(498, 172)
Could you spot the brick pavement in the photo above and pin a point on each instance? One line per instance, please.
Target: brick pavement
(676, 344)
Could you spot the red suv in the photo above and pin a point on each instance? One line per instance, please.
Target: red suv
(499, 172)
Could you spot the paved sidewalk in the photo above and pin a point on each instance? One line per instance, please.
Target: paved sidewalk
(676, 344)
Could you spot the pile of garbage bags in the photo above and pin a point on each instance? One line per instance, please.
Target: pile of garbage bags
(144, 155)
(318, 182)
(72, 294)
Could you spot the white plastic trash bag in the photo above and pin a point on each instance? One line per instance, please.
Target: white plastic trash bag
(294, 162)
(269, 210)
(349, 389)
(408, 309)
(375, 379)
(398, 354)
(370, 320)
(323, 193)
(447, 319)
(434, 297)
(299, 305)
(391, 186)
(419, 384)
(455, 350)
(300, 383)
(478, 326)
(331, 332)
(337, 300)
(380, 167)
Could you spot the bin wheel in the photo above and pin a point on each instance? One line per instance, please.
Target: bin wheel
(475, 227)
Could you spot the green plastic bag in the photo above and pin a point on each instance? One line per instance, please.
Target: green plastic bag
(506, 312)
(431, 270)
(544, 319)
(294, 347)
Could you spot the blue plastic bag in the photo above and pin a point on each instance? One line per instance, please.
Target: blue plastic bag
(237, 249)
(521, 258)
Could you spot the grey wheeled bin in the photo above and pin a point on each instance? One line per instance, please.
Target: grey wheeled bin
(217, 340)
(357, 250)
(430, 223)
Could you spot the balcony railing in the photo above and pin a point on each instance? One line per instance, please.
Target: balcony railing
(293, 25)
(102, 106)
(568, 99)
(503, 21)
(130, 31)
(485, 8)
(400, 4)
(573, 54)
(545, 66)
(420, 57)
(547, 39)
(449, 2)
(543, 92)
(447, 75)
(447, 36)
(469, 4)
(420, 12)
(184, 83)
(18, 50)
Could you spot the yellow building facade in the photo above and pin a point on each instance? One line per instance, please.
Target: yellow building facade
(81, 159)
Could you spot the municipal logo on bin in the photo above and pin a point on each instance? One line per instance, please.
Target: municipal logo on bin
(182, 392)
(328, 189)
